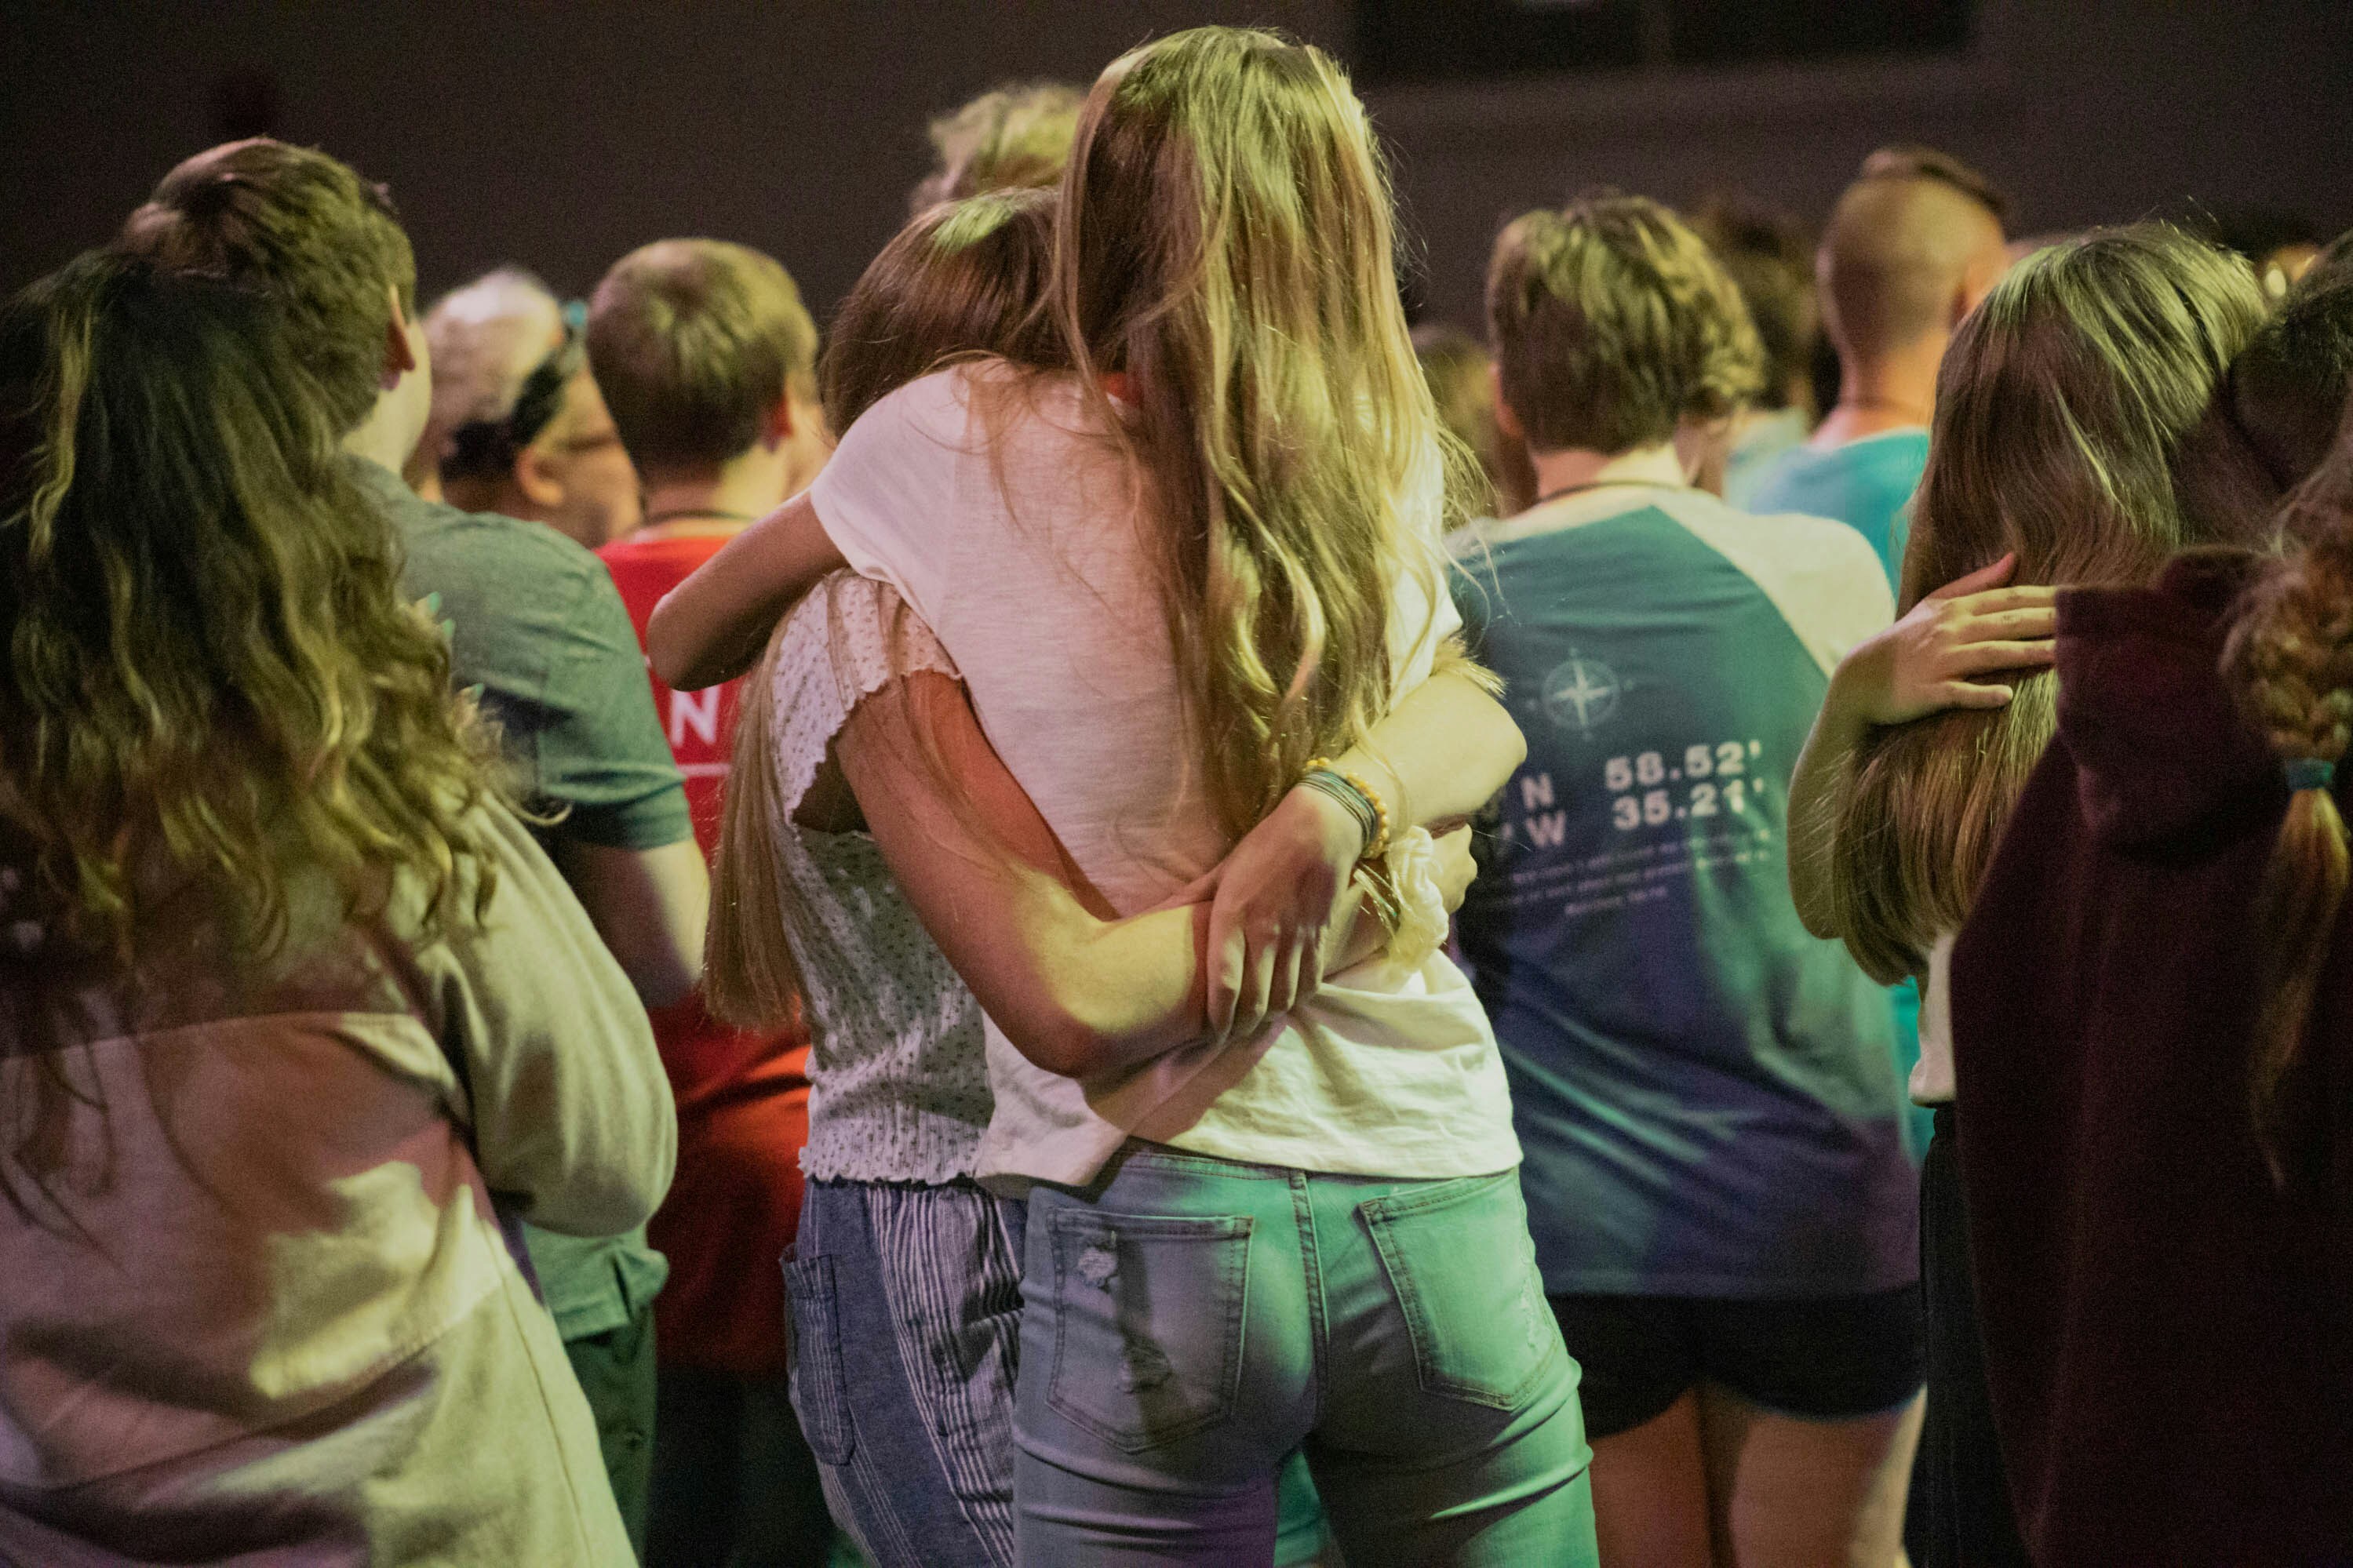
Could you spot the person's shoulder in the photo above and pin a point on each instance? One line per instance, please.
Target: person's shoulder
(1549, 527)
(1891, 458)
(941, 401)
(932, 419)
(1823, 574)
(1801, 538)
(1470, 543)
(1889, 463)
(502, 550)
(1791, 471)
(839, 595)
(1820, 543)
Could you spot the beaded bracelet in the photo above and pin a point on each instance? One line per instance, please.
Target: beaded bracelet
(1364, 802)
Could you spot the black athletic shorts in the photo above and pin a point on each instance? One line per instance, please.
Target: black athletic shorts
(1822, 1358)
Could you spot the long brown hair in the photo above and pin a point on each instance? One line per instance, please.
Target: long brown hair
(1227, 245)
(212, 678)
(2063, 408)
(2290, 657)
(963, 279)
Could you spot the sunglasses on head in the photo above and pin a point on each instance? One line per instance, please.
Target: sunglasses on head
(492, 445)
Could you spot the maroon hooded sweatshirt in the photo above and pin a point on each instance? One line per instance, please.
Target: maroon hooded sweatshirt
(2168, 1337)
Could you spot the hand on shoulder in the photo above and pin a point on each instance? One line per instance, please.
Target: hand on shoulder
(1934, 658)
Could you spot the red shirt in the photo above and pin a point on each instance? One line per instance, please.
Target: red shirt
(743, 1098)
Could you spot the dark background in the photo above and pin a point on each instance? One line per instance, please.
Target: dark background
(559, 136)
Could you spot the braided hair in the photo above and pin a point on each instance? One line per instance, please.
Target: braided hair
(2290, 657)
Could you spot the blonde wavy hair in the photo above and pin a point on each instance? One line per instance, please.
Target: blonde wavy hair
(2065, 406)
(1227, 245)
(1010, 138)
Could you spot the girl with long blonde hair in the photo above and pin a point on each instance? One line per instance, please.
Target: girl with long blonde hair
(906, 1275)
(288, 992)
(1193, 584)
(2065, 408)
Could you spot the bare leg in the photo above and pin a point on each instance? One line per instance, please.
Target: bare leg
(1790, 1493)
(1650, 1492)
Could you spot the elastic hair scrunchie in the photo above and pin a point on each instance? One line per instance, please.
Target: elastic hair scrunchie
(2309, 772)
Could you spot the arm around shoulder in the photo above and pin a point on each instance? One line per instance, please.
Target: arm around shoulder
(712, 627)
(1077, 992)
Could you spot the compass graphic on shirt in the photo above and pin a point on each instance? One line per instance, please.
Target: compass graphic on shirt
(1581, 692)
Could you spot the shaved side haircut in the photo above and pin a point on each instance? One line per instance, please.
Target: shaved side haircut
(1899, 248)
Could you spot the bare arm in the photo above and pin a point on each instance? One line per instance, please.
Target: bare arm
(649, 906)
(1443, 751)
(1925, 663)
(712, 627)
(1077, 991)
(1078, 994)
(1439, 756)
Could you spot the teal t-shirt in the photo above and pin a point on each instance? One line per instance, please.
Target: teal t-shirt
(1868, 486)
(1756, 450)
(1865, 484)
(1704, 1092)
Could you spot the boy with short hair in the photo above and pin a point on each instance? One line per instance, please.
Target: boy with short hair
(1715, 1181)
(708, 361)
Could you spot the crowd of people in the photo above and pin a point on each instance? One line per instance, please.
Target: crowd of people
(1126, 910)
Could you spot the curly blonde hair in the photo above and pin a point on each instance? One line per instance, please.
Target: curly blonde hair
(1613, 323)
(1010, 138)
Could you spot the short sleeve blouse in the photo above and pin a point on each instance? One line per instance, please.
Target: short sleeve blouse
(898, 1080)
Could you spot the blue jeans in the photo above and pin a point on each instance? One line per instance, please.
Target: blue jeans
(905, 1302)
(1186, 1323)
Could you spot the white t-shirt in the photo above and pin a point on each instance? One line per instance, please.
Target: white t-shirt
(1031, 558)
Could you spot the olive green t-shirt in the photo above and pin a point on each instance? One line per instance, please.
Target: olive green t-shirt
(535, 621)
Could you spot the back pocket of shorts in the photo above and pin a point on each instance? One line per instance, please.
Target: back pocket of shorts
(820, 1385)
(1147, 1324)
(1463, 1271)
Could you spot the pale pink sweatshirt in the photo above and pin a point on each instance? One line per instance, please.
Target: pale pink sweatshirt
(257, 1308)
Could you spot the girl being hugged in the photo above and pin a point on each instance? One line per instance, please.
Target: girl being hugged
(906, 1275)
(2150, 1018)
(1177, 581)
(2067, 408)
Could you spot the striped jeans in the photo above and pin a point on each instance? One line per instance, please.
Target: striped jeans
(906, 1310)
